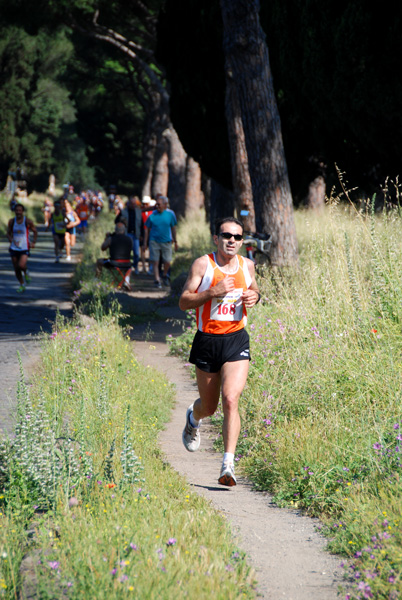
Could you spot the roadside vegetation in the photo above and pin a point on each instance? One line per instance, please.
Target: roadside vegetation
(88, 506)
(322, 411)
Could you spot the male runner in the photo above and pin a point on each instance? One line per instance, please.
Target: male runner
(221, 286)
(18, 235)
(58, 224)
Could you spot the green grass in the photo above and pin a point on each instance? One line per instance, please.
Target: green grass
(322, 410)
(103, 528)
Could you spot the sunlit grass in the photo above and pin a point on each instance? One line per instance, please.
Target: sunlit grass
(322, 410)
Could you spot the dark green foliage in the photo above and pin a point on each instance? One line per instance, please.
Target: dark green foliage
(190, 48)
(336, 77)
(35, 105)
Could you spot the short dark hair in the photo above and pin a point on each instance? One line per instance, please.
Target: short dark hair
(19, 204)
(220, 222)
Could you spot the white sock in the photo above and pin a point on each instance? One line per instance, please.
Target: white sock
(228, 458)
(193, 421)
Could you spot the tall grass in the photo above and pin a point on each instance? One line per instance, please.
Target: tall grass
(323, 407)
(322, 410)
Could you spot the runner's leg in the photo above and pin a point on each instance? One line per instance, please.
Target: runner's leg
(17, 270)
(209, 387)
(23, 262)
(67, 242)
(234, 377)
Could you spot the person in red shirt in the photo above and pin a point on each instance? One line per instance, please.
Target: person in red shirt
(83, 211)
(147, 209)
(221, 286)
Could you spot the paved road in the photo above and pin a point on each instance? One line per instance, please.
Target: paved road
(24, 316)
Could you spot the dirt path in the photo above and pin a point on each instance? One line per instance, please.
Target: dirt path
(283, 545)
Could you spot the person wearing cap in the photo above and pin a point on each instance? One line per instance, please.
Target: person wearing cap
(160, 229)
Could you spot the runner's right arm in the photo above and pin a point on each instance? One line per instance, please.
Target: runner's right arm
(10, 230)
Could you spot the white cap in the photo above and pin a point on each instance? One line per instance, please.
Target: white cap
(148, 200)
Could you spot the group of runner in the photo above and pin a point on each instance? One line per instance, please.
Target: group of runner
(221, 286)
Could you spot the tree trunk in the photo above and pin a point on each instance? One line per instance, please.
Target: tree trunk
(194, 195)
(316, 194)
(247, 64)
(177, 160)
(160, 179)
(242, 188)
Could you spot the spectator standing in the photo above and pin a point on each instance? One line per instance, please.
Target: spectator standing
(147, 209)
(160, 230)
(134, 219)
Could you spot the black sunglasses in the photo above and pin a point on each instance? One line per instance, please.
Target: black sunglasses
(226, 236)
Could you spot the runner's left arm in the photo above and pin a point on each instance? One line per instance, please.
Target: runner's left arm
(252, 295)
(31, 227)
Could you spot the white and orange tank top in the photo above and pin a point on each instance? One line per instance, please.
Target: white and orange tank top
(83, 211)
(224, 314)
(20, 236)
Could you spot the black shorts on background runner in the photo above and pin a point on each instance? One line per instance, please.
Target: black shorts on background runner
(210, 351)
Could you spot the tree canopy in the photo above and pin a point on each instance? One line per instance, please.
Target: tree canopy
(75, 105)
(335, 67)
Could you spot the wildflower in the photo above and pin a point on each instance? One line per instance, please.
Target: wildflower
(72, 502)
(374, 331)
(171, 542)
(53, 564)
(111, 485)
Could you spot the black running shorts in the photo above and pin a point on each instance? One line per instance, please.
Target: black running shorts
(210, 351)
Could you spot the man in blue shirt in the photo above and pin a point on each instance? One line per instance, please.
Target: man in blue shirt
(160, 229)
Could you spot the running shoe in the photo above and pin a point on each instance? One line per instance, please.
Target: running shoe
(27, 278)
(68, 258)
(191, 435)
(227, 476)
(157, 284)
(57, 259)
(166, 280)
(21, 289)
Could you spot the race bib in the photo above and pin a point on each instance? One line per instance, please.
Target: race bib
(19, 239)
(59, 226)
(228, 308)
